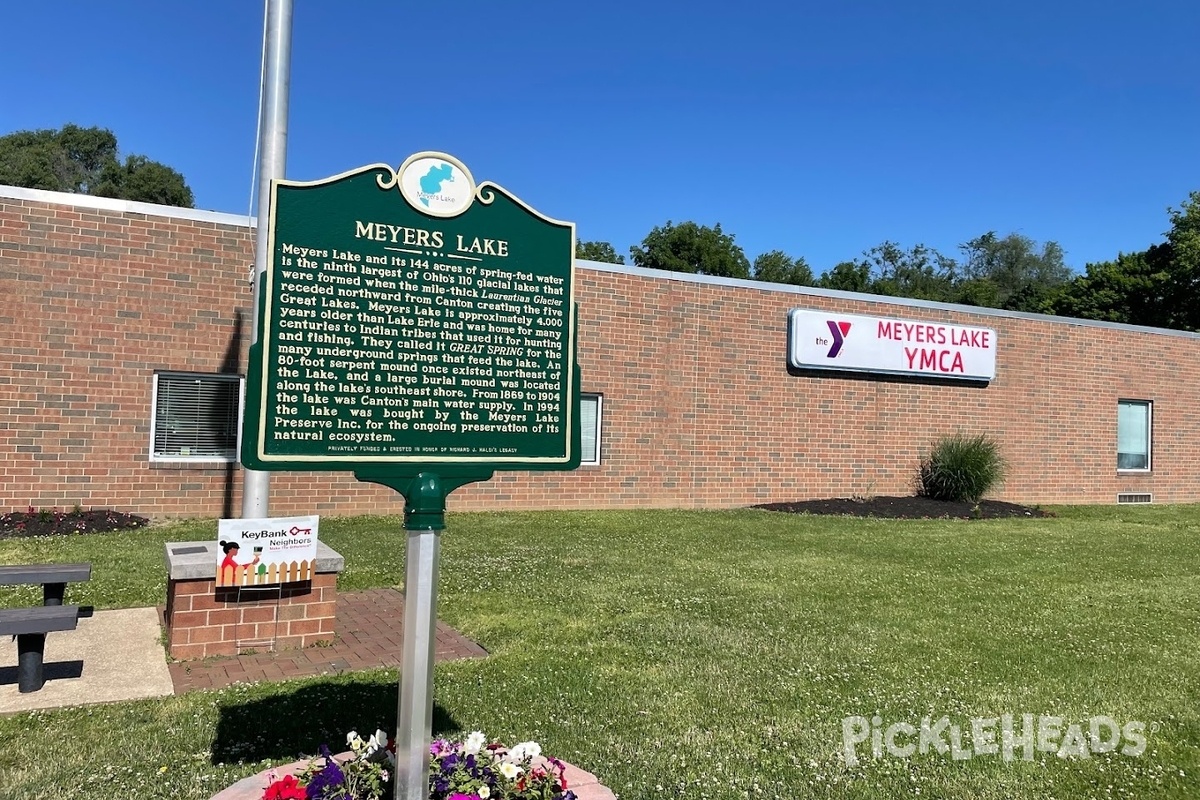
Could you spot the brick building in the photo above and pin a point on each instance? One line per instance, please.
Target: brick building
(117, 315)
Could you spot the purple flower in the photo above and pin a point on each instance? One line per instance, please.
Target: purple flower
(324, 784)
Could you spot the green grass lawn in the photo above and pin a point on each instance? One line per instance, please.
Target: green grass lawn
(706, 654)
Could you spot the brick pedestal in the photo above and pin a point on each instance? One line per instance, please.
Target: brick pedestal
(203, 620)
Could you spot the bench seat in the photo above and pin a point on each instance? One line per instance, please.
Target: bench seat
(53, 578)
(44, 573)
(30, 626)
(38, 619)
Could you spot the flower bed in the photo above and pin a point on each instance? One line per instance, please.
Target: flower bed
(469, 770)
(52, 522)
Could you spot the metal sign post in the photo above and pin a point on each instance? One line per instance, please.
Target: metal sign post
(415, 720)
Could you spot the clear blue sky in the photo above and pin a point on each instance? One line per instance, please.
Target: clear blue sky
(820, 129)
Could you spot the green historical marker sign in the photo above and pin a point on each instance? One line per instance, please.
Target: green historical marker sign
(412, 321)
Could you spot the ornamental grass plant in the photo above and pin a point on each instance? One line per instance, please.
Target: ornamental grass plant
(961, 468)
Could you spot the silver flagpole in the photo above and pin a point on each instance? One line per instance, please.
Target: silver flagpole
(272, 145)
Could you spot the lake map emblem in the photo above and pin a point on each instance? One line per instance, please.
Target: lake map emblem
(436, 185)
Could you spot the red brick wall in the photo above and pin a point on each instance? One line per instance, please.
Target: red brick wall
(699, 407)
(203, 620)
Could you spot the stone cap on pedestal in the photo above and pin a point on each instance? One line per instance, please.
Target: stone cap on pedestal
(198, 560)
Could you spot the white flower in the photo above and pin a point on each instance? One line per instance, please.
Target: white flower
(379, 740)
(509, 770)
(370, 749)
(474, 742)
(525, 751)
(483, 792)
(350, 737)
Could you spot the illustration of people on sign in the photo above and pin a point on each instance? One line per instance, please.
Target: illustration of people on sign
(231, 553)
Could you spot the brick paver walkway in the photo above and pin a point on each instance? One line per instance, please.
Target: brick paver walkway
(369, 633)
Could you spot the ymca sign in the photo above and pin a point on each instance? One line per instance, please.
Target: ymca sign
(886, 345)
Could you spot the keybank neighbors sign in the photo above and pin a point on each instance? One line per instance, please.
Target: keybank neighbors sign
(887, 345)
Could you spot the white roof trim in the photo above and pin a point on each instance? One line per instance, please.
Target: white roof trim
(124, 206)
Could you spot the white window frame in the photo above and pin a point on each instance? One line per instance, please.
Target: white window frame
(1149, 406)
(599, 398)
(207, 458)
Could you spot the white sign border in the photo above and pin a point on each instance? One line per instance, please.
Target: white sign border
(793, 349)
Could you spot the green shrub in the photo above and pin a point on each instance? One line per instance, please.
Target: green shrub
(961, 468)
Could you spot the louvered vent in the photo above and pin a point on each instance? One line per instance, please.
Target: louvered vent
(1131, 497)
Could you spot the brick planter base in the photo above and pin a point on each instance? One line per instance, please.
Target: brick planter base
(203, 620)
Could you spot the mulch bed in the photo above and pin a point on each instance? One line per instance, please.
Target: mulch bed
(61, 523)
(907, 508)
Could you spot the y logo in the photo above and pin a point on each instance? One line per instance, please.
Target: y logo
(839, 331)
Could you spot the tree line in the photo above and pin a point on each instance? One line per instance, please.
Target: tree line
(1158, 286)
(85, 161)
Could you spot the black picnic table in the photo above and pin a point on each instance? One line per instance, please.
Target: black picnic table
(30, 625)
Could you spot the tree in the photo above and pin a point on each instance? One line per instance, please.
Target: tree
(598, 251)
(847, 276)
(1159, 287)
(1135, 288)
(688, 247)
(778, 267)
(889, 269)
(1184, 241)
(69, 160)
(84, 161)
(144, 180)
(919, 272)
(1010, 272)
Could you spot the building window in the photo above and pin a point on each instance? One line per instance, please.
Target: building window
(1133, 434)
(590, 413)
(196, 417)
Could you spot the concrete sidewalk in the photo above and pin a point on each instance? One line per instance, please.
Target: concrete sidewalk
(111, 655)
